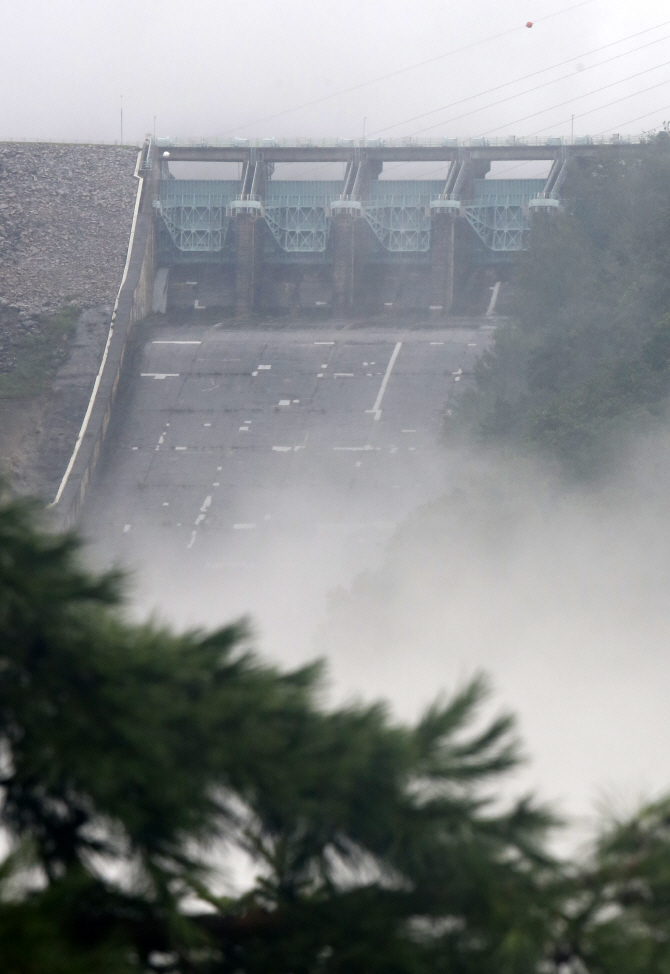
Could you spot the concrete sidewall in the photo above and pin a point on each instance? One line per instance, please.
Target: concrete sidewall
(134, 304)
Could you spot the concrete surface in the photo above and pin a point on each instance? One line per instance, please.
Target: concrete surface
(253, 470)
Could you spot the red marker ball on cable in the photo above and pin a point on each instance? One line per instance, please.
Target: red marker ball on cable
(529, 23)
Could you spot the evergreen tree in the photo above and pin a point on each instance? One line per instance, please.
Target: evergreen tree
(129, 753)
(616, 907)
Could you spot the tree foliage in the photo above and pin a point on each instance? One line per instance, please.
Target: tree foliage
(134, 760)
(616, 907)
(586, 358)
(133, 757)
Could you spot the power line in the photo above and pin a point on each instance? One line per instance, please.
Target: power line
(664, 108)
(638, 118)
(615, 101)
(595, 91)
(567, 101)
(609, 104)
(630, 121)
(533, 74)
(525, 77)
(399, 71)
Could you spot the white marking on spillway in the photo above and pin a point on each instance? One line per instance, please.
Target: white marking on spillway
(205, 504)
(175, 343)
(357, 449)
(376, 409)
(159, 375)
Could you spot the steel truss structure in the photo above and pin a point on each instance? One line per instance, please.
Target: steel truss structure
(401, 225)
(298, 214)
(198, 214)
(195, 213)
(196, 228)
(502, 223)
(299, 224)
(397, 212)
(499, 214)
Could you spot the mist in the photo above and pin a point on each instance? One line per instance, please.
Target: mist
(336, 68)
(557, 592)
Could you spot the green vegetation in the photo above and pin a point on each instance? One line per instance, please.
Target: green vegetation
(128, 752)
(39, 355)
(137, 764)
(588, 355)
(133, 758)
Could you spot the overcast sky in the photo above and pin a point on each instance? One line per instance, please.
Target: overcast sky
(251, 67)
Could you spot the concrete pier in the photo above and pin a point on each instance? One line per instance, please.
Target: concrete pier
(443, 226)
(247, 263)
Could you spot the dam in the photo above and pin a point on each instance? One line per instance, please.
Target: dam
(280, 338)
(234, 434)
(363, 243)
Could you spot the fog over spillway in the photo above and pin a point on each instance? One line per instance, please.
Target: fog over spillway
(409, 566)
(562, 598)
(558, 593)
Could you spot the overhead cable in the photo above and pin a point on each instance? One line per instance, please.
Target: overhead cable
(399, 71)
(525, 77)
(528, 91)
(587, 94)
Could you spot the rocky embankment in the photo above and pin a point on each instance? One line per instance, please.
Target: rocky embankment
(65, 218)
(65, 213)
